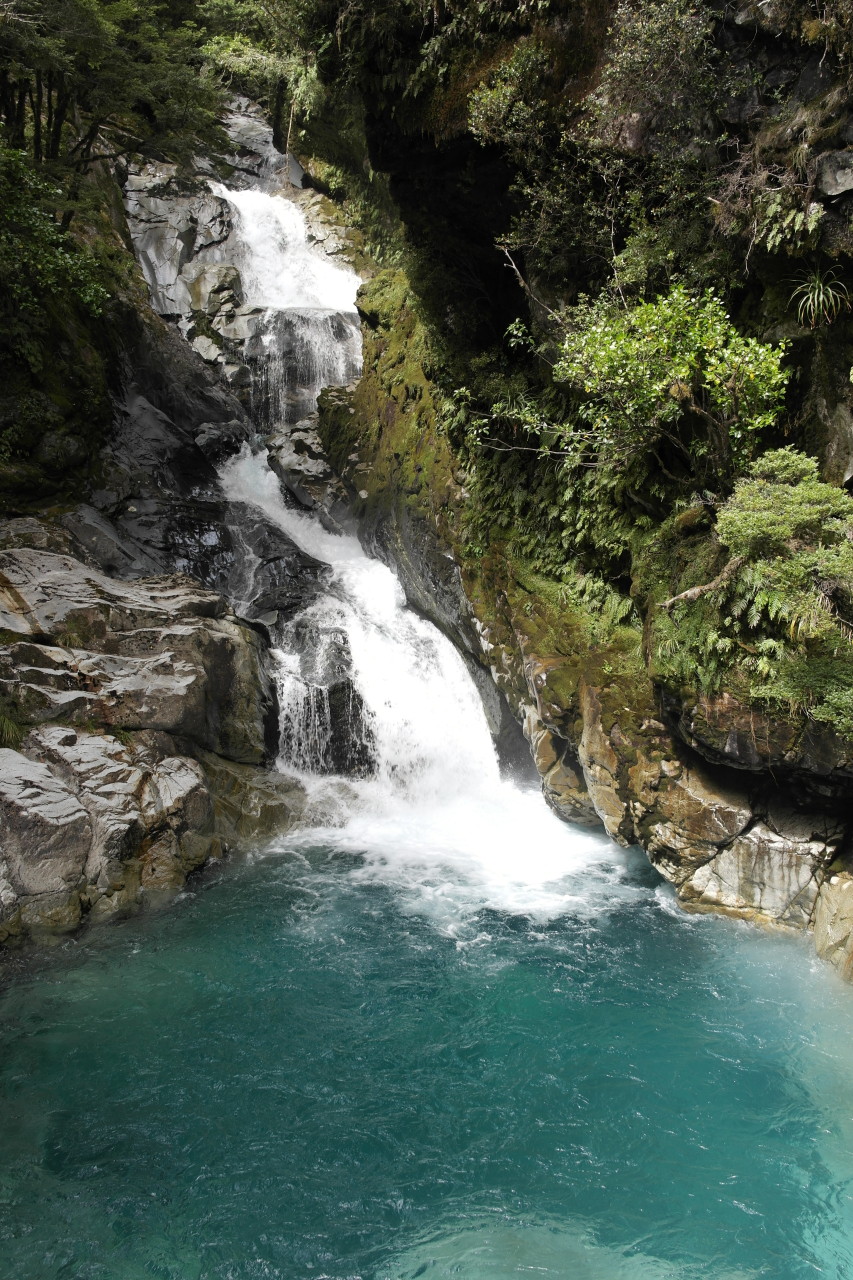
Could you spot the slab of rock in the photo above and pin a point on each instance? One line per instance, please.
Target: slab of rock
(810, 756)
(211, 284)
(92, 827)
(47, 833)
(763, 875)
(683, 817)
(153, 653)
(563, 783)
(207, 349)
(169, 232)
(835, 173)
(252, 804)
(601, 768)
(833, 923)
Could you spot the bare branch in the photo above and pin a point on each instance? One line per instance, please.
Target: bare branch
(695, 592)
(525, 286)
(10, 12)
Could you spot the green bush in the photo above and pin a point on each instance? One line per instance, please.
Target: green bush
(783, 508)
(673, 371)
(775, 622)
(41, 268)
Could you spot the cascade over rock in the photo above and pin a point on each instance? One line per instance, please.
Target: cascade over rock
(741, 818)
(146, 706)
(287, 645)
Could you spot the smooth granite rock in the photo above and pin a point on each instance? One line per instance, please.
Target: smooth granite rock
(93, 827)
(833, 923)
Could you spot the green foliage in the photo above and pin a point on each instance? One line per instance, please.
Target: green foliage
(649, 403)
(784, 503)
(675, 371)
(778, 629)
(820, 298)
(502, 109)
(783, 219)
(659, 70)
(257, 71)
(35, 256)
(122, 71)
(12, 729)
(38, 262)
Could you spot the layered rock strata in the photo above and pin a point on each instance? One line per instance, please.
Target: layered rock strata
(133, 699)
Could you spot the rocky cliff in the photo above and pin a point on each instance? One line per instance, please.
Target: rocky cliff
(137, 711)
(138, 708)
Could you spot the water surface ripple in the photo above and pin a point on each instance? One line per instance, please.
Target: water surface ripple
(305, 1072)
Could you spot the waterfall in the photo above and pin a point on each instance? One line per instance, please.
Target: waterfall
(380, 718)
(306, 335)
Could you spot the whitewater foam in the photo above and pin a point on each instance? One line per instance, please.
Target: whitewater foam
(435, 821)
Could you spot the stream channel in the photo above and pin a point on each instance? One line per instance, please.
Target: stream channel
(433, 1031)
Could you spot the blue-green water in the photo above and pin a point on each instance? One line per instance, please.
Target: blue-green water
(299, 1073)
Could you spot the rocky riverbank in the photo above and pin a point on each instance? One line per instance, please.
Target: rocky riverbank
(139, 716)
(742, 814)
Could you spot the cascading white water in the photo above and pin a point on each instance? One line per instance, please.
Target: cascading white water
(278, 268)
(308, 336)
(433, 816)
(436, 820)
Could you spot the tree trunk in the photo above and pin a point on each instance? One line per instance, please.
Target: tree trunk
(37, 104)
(84, 146)
(63, 102)
(18, 134)
(7, 100)
(48, 124)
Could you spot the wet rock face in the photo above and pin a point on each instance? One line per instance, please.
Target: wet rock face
(813, 761)
(197, 223)
(326, 726)
(272, 575)
(740, 850)
(93, 828)
(833, 923)
(136, 628)
(128, 685)
(835, 173)
(155, 653)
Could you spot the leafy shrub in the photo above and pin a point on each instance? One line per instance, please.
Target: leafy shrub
(504, 109)
(779, 625)
(672, 371)
(659, 67)
(37, 260)
(784, 505)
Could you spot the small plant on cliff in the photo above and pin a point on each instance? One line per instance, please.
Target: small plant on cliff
(820, 298)
(12, 732)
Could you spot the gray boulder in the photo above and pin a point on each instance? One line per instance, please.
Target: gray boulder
(835, 173)
(92, 827)
(153, 653)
